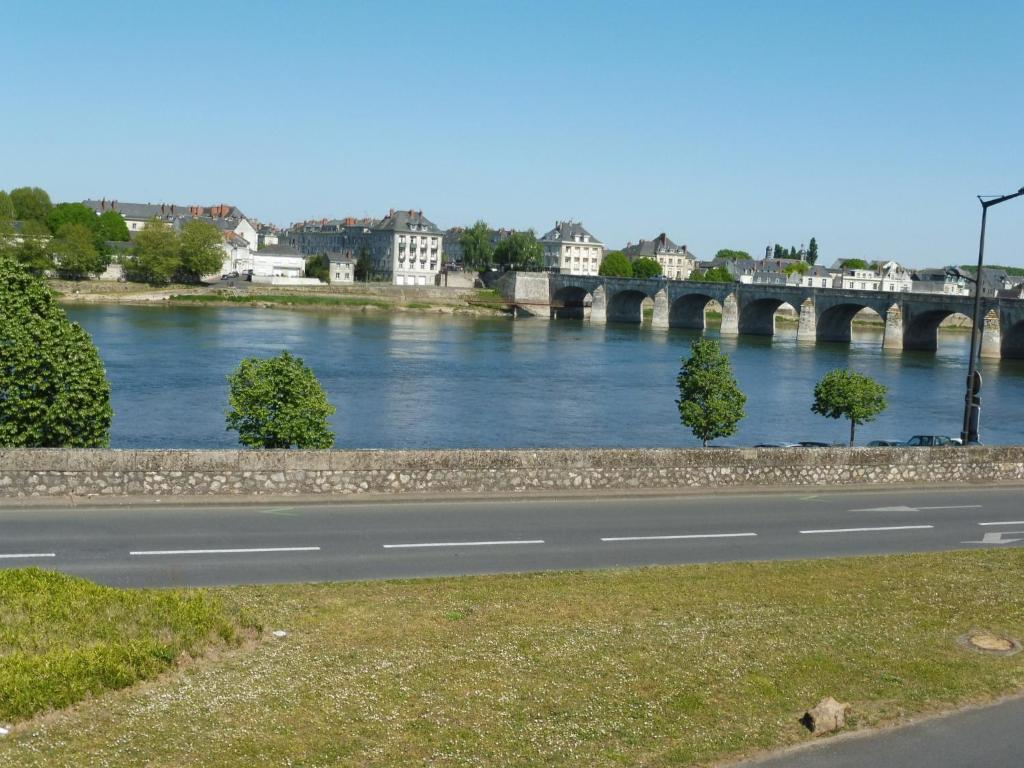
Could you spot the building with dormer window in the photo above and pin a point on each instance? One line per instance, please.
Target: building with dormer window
(570, 249)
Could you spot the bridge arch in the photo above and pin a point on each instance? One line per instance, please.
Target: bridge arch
(757, 317)
(570, 302)
(836, 322)
(626, 306)
(921, 332)
(690, 311)
(1012, 347)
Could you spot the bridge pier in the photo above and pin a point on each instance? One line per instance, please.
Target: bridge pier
(892, 337)
(807, 330)
(599, 307)
(991, 336)
(661, 310)
(730, 316)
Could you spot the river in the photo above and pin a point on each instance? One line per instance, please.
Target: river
(420, 381)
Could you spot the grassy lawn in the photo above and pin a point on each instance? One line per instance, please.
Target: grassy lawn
(657, 667)
(273, 298)
(64, 638)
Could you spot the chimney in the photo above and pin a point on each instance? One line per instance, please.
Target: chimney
(391, 212)
(161, 209)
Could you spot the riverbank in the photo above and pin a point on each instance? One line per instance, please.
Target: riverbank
(677, 665)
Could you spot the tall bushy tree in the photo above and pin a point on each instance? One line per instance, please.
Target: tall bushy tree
(520, 250)
(477, 251)
(845, 393)
(30, 203)
(799, 267)
(854, 264)
(32, 249)
(278, 403)
(71, 213)
(318, 266)
(726, 253)
(110, 225)
(7, 212)
(199, 250)
(812, 252)
(156, 255)
(75, 252)
(615, 264)
(710, 401)
(646, 267)
(54, 391)
(364, 266)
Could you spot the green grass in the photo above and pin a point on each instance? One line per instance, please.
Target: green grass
(283, 299)
(63, 638)
(420, 305)
(658, 666)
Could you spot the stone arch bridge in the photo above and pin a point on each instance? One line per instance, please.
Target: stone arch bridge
(826, 314)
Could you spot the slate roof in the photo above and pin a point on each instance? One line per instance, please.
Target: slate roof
(408, 221)
(144, 211)
(652, 248)
(568, 231)
(279, 250)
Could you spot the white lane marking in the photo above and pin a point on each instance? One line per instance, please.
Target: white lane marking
(1008, 522)
(142, 553)
(28, 555)
(865, 530)
(682, 536)
(462, 544)
(996, 537)
(916, 509)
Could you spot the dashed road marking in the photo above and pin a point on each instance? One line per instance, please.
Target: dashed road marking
(866, 530)
(679, 536)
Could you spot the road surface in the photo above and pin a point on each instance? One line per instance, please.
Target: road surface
(162, 545)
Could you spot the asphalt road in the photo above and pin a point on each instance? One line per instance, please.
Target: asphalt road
(988, 737)
(154, 545)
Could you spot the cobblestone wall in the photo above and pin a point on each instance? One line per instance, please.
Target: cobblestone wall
(91, 473)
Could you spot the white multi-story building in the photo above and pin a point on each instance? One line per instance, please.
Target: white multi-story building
(676, 261)
(342, 268)
(890, 276)
(570, 249)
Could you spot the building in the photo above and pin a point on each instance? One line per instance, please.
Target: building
(889, 276)
(277, 261)
(950, 281)
(676, 261)
(342, 268)
(570, 249)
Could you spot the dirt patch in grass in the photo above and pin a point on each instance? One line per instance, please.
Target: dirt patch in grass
(657, 666)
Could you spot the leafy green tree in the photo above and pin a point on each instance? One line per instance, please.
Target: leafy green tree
(110, 226)
(71, 213)
(156, 256)
(75, 252)
(200, 251)
(710, 401)
(713, 275)
(845, 393)
(319, 267)
(477, 251)
(725, 253)
(7, 212)
(364, 266)
(615, 264)
(54, 391)
(778, 252)
(30, 203)
(854, 264)
(812, 252)
(697, 275)
(32, 250)
(646, 267)
(799, 267)
(278, 403)
(520, 250)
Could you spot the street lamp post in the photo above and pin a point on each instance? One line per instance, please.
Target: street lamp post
(969, 434)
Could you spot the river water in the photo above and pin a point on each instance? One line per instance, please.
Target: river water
(420, 381)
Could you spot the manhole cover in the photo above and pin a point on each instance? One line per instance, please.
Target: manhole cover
(989, 642)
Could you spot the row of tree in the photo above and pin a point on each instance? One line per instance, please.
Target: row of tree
(518, 250)
(712, 405)
(617, 264)
(161, 254)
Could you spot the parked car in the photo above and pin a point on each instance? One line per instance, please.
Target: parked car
(885, 443)
(777, 445)
(923, 441)
(229, 275)
(814, 444)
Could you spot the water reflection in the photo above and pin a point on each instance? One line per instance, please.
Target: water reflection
(418, 381)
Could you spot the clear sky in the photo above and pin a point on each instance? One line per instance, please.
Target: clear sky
(870, 125)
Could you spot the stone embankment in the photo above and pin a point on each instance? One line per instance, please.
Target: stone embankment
(52, 473)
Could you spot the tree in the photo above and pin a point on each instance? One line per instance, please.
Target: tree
(75, 252)
(843, 392)
(696, 275)
(520, 250)
(615, 264)
(812, 252)
(853, 264)
(30, 203)
(7, 212)
(710, 401)
(800, 267)
(645, 268)
(54, 391)
(278, 403)
(71, 213)
(200, 251)
(110, 226)
(364, 265)
(713, 275)
(156, 256)
(33, 250)
(477, 251)
(726, 253)
(778, 252)
(317, 266)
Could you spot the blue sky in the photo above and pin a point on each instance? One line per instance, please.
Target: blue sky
(870, 125)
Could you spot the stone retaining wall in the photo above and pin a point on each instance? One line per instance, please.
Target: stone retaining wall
(112, 473)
